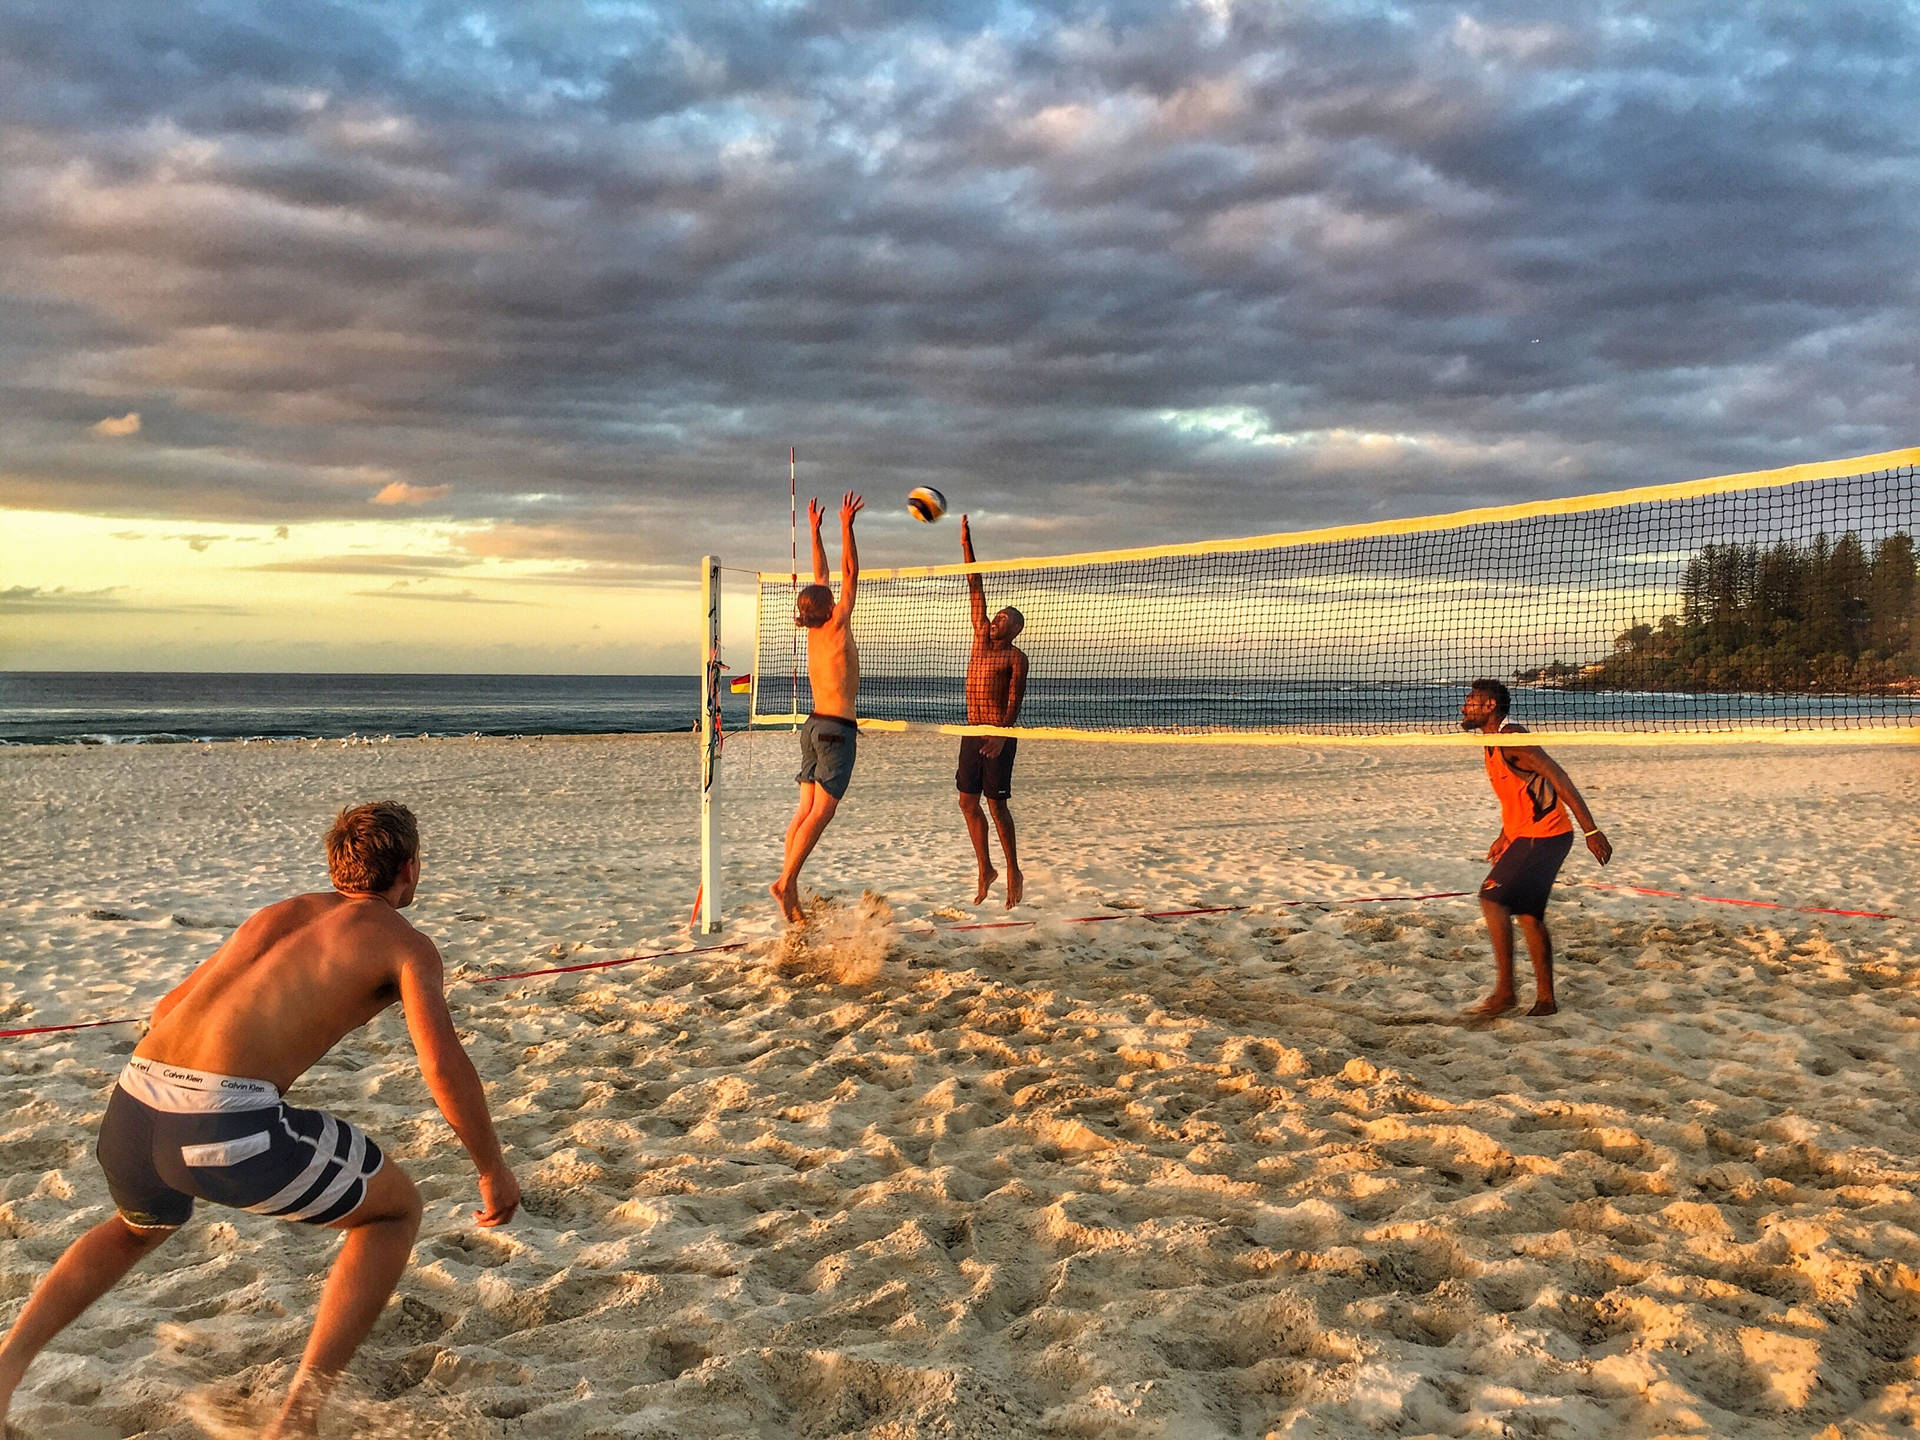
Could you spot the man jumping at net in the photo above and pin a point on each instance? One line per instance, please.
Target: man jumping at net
(829, 738)
(1535, 836)
(197, 1113)
(996, 684)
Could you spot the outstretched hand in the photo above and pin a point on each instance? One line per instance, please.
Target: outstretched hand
(850, 506)
(814, 513)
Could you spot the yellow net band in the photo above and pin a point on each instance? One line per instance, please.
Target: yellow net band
(1555, 739)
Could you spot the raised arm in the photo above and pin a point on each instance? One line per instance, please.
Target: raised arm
(1542, 763)
(850, 506)
(452, 1080)
(976, 593)
(814, 516)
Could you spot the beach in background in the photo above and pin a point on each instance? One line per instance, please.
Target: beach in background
(77, 707)
(1230, 1175)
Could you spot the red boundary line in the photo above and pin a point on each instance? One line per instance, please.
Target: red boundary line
(607, 964)
(1075, 919)
(54, 1029)
(978, 925)
(1093, 920)
(1175, 914)
(1751, 904)
(1180, 914)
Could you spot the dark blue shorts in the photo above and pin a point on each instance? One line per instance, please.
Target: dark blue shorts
(827, 744)
(172, 1136)
(1522, 878)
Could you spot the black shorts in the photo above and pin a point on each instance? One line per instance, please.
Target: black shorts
(172, 1136)
(981, 774)
(1522, 878)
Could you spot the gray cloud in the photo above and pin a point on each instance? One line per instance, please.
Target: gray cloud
(325, 249)
(399, 591)
(36, 599)
(59, 599)
(368, 565)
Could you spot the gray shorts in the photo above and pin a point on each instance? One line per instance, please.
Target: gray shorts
(826, 753)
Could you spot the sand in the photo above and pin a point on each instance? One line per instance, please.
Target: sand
(1239, 1175)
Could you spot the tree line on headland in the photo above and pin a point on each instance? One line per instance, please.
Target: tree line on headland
(1820, 617)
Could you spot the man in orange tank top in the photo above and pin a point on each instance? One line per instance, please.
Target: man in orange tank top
(1535, 835)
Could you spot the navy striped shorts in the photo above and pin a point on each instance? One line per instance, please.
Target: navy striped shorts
(172, 1136)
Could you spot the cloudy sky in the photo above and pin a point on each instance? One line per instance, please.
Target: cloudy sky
(411, 335)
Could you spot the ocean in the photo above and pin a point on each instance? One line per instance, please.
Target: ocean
(85, 708)
(133, 708)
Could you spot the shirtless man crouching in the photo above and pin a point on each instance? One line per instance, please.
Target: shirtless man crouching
(197, 1113)
(832, 731)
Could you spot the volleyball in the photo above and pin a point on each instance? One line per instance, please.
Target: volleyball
(926, 503)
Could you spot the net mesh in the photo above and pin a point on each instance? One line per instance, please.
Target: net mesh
(1791, 606)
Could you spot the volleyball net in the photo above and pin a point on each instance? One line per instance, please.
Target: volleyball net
(1780, 604)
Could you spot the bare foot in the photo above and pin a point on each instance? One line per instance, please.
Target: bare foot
(1016, 886)
(789, 903)
(7, 1432)
(299, 1420)
(1544, 1007)
(987, 877)
(1494, 1005)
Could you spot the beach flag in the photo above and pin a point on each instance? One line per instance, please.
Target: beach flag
(740, 684)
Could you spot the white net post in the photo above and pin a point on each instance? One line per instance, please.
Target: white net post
(707, 916)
